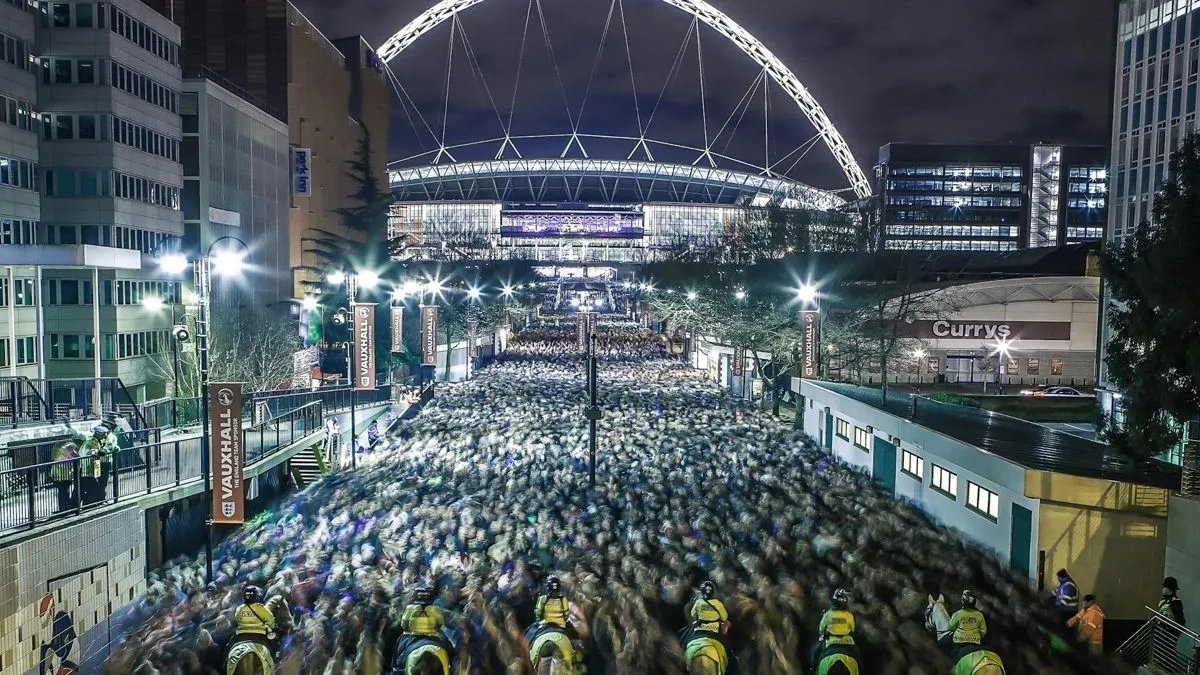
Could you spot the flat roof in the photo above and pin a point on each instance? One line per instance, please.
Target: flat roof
(1030, 445)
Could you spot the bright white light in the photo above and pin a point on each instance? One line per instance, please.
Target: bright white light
(398, 294)
(368, 279)
(410, 287)
(627, 285)
(691, 295)
(434, 286)
(229, 262)
(1003, 346)
(308, 303)
(807, 293)
(507, 290)
(918, 354)
(740, 295)
(336, 278)
(670, 291)
(152, 303)
(190, 298)
(174, 264)
(599, 302)
(474, 293)
(574, 302)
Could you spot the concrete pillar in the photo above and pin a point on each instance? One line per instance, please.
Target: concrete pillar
(154, 537)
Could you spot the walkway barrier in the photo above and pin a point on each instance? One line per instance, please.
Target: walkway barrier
(40, 493)
(1162, 646)
(183, 412)
(26, 401)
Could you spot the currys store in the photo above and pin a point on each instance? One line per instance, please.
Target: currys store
(1045, 329)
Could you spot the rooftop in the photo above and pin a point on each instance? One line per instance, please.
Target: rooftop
(1030, 445)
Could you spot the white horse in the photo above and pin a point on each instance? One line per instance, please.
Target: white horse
(937, 617)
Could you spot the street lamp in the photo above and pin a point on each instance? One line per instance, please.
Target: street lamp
(918, 354)
(807, 294)
(1003, 347)
(225, 256)
(366, 279)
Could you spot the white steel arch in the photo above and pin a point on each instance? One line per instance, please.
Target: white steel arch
(713, 18)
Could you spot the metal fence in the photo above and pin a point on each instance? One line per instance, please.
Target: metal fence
(31, 401)
(1163, 646)
(182, 412)
(46, 491)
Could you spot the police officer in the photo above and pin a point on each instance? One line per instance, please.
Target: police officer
(1065, 596)
(254, 621)
(553, 609)
(836, 627)
(62, 473)
(97, 451)
(709, 613)
(967, 629)
(422, 620)
(1170, 605)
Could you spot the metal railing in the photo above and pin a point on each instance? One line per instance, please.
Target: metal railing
(1163, 646)
(39, 493)
(182, 412)
(29, 401)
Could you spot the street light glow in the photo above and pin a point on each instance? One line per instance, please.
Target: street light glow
(411, 287)
(308, 303)
(336, 278)
(474, 293)
(918, 354)
(368, 279)
(229, 262)
(173, 264)
(1003, 346)
(507, 290)
(691, 295)
(434, 286)
(740, 295)
(807, 293)
(152, 303)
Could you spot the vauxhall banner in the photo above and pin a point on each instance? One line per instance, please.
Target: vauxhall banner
(581, 326)
(226, 455)
(429, 326)
(397, 329)
(739, 361)
(364, 347)
(810, 344)
(472, 338)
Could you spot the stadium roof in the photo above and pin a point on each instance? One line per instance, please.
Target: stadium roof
(1030, 445)
(604, 181)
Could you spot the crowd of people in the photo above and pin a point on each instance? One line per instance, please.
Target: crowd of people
(485, 494)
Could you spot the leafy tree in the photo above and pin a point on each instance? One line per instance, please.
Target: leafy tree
(1153, 352)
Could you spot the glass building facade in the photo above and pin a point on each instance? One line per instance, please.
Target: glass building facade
(990, 198)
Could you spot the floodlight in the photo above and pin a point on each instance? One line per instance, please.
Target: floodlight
(152, 303)
(368, 279)
(173, 264)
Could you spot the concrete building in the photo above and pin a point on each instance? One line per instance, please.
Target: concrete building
(1038, 498)
(991, 197)
(91, 191)
(237, 182)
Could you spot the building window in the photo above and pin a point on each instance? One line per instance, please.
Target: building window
(842, 429)
(23, 293)
(912, 465)
(945, 482)
(983, 501)
(26, 352)
(862, 438)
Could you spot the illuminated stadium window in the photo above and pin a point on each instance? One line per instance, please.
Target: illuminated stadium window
(945, 482)
(862, 438)
(912, 465)
(842, 429)
(983, 501)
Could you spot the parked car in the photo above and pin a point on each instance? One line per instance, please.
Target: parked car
(1035, 390)
(1061, 391)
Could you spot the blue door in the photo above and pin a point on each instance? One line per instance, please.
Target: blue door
(828, 429)
(1022, 534)
(885, 465)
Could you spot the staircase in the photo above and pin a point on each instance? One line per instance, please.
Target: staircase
(1162, 647)
(308, 466)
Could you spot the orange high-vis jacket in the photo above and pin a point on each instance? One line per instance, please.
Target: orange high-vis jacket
(1089, 623)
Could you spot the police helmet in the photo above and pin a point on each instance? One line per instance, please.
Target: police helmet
(707, 590)
(841, 598)
(968, 599)
(423, 595)
(553, 586)
(252, 594)
(1171, 584)
(100, 430)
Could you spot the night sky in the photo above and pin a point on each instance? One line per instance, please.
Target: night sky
(939, 71)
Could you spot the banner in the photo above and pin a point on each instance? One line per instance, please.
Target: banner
(302, 172)
(364, 346)
(739, 361)
(592, 324)
(226, 453)
(472, 338)
(581, 327)
(397, 329)
(429, 326)
(810, 344)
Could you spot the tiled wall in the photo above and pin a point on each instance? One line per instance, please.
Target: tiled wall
(78, 575)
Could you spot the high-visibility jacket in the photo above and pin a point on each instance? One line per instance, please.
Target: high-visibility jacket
(254, 618)
(967, 627)
(63, 469)
(555, 610)
(425, 620)
(1066, 595)
(100, 453)
(709, 614)
(1089, 624)
(837, 627)
(1172, 608)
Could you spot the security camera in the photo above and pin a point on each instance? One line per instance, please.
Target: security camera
(180, 332)
(339, 317)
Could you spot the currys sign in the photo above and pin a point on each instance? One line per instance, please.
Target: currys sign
(985, 330)
(226, 452)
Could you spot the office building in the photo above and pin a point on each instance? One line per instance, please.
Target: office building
(89, 189)
(991, 197)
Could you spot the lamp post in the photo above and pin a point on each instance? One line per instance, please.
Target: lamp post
(366, 279)
(810, 331)
(919, 354)
(227, 260)
(1003, 346)
(592, 411)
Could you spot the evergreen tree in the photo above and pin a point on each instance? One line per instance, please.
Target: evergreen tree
(1153, 353)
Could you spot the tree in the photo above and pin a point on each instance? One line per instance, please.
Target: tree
(1153, 352)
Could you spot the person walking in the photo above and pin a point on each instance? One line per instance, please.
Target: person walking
(333, 434)
(1089, 624)
(1065, 596)
(65, 456)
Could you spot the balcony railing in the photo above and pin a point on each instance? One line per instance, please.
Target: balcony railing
(25, 401)
(183, 412)
(1162, 646)
(40, 493)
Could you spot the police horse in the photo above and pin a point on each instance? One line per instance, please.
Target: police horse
(424, 657)
(249, 658)
(976, 662)
(703, 653)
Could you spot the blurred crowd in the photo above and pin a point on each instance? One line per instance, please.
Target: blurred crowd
(485, 493)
